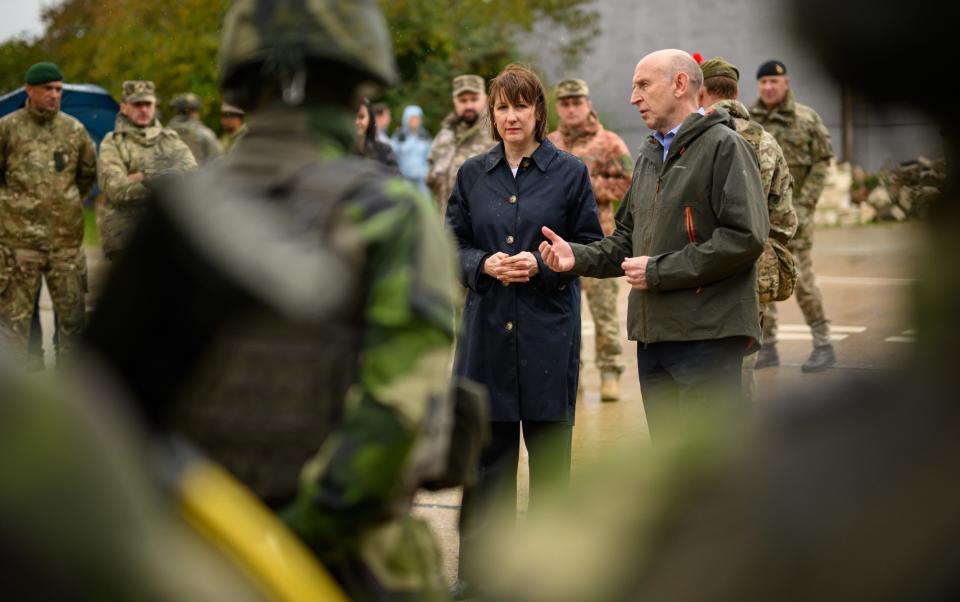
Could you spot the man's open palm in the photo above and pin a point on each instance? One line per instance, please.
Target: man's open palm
(556, 252)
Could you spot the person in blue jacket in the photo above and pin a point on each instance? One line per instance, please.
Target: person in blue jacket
(411, 143)
(521, 321)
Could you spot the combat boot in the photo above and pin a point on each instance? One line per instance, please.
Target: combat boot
(768, 356)
(821, 359)
(609, 385)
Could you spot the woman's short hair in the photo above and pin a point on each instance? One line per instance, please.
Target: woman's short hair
(517, 83)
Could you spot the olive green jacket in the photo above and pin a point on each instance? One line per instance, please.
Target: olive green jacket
(701, 217)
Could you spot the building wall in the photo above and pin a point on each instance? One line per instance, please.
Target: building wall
(746, 33)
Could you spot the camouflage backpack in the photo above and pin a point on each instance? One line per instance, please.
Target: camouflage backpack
(776, 272)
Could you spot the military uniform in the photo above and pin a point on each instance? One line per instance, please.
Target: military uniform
(201, 139)
(48, 167)
(610, 166)
(316, 291)
(778, 188)
(456, 142)
(152, 150)
(805, 142)
(228, 140)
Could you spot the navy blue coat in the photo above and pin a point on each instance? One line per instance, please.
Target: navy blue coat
(521, 340)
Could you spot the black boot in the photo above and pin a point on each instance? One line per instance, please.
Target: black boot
(821, 359)
(768, 356)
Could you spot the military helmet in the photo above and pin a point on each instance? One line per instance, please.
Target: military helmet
(284, 35)
(184, 103)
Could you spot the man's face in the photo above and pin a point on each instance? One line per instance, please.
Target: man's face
(467, 106)
(230, 123)
(773, 88)
(574, 110)
(654, 95)
(45, 97)
(140, 113)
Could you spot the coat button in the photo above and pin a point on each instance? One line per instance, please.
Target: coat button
(505, 283)
(509, 239)
(562, 287)
(513, 199)
(525, 163)
(509, 326)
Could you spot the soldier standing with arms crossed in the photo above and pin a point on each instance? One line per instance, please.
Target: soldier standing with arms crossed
(806, 145)
(138, 150)
(464, 134)
(610, 166)
(48, 165)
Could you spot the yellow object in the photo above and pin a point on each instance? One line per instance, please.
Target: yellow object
(235, 521)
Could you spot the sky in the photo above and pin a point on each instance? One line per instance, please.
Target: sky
(20, 16)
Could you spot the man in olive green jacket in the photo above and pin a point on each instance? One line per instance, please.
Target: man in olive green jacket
(687, 238)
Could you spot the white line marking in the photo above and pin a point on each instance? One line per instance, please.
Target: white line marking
(863, 281)
(838, 328)
(909, 333)
(900, 340)
(801, 336)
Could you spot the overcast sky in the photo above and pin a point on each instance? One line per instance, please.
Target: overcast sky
(20, 16)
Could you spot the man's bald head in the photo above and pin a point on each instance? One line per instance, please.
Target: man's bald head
(666, 84)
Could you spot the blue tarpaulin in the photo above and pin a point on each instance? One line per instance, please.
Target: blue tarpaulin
(91, 104)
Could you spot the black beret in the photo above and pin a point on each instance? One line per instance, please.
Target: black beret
(771, 68)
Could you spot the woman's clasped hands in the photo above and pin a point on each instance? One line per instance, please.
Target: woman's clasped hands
(511, 268)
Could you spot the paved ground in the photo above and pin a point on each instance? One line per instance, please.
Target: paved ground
(865, 274)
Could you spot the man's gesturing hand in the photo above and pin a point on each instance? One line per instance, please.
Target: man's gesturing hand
(556, 252)
(635, 269)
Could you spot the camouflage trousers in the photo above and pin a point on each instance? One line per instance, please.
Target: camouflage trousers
(808, 297)
(602, 300)
(65, 271)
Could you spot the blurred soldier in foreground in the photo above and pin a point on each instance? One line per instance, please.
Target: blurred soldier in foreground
(611, 167)
(805, 142)
(47, 168)
(304, 302)
(138, 151)
(837, 495)
(231, 120)
(776, 275)
(464, 133)
(201, 140)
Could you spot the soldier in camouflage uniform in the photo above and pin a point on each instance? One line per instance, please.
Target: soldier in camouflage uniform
(720, 89)
(806, 145)
(201, 140)
(315, 294)
(231, 119)
(464, 133)
(611, 168)
(47, 168)
(132, 156)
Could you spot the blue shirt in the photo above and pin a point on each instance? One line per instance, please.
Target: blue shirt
(666, 139)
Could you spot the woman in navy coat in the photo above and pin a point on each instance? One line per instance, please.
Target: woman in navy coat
(521, 322)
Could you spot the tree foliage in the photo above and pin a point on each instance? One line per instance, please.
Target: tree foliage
(175, 44)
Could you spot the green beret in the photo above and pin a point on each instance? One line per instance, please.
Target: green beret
(717, 67)
(43, 73)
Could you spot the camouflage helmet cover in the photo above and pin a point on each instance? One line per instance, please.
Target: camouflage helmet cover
(186, 102)
(351, 32)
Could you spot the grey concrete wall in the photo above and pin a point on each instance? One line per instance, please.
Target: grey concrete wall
(747, 33)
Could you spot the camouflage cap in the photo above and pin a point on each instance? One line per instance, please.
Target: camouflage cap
(569, 88)
(718, 67)
(285, 35)
(228, 109)
(186, 102)
(468, 83)
(138, 91)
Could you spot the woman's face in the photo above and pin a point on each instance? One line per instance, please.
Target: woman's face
(515, 123)
(363, 119)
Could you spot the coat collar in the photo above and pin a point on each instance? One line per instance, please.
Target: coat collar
(542, 157)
